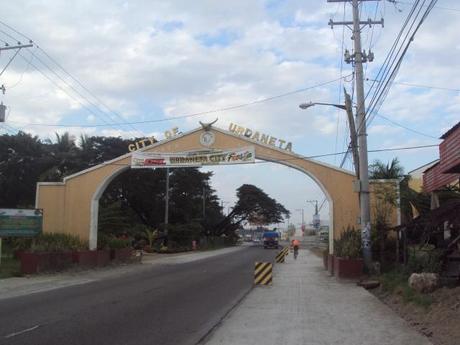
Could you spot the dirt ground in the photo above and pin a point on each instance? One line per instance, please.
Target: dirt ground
(440, 322)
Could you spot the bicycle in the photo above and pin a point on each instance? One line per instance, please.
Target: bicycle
(296, 252)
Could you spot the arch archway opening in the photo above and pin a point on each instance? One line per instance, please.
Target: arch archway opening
(286, 166)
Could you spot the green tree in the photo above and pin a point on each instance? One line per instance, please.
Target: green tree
(22, 159)
(391, 170)
(253, 206)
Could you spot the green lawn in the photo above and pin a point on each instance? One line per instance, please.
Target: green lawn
(9, 267)
(396, 282)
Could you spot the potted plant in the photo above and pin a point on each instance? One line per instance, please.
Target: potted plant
(330, 263)
(103, 250)
(348, 262)
(325, 258)
(49, 252)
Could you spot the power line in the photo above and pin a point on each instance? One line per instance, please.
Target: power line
(193, 114)
(9, 87)
(436, 7)
(419, 85)
(383, 94)
(61, 88)
(86, 89)
(67, 83)
(407, 128)
(16, 31)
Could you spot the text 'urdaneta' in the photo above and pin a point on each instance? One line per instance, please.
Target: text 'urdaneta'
(261, 137)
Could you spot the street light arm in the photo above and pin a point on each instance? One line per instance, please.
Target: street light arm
(311, 104)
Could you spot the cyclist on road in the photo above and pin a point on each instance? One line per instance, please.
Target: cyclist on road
(295, 244)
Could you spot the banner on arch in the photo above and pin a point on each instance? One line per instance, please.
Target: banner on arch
(141, 160)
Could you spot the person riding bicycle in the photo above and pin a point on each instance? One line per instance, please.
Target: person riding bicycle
(295, 244)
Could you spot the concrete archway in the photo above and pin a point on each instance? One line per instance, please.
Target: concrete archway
(72, 206)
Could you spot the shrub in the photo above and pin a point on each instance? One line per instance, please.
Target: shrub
(103, 241)
(395, 282)
(427, 260)
(349, 244)
(56, 242)
(118, 243)
(184, 234)
(152, 235)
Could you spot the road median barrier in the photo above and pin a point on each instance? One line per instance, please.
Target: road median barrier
(263, 273)
(285, 250)
(280, 257)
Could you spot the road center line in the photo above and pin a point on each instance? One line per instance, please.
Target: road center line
(22, 332)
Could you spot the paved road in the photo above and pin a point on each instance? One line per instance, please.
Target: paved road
(164, 304)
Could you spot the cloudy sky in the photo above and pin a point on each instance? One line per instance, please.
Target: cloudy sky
(106, 63)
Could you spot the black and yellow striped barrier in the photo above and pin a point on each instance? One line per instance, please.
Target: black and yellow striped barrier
(263, 273)
(285, 250)
(280, 257)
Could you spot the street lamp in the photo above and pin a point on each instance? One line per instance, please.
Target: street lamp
(303, 221)
(316, 223)
(361, 173)
(311, 104)
(353, 135)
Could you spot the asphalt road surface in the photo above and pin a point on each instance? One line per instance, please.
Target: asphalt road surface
(162, 304)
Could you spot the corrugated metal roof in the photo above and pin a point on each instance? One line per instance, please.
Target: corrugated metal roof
(450, 131)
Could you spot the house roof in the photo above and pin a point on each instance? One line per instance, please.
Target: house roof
(424, 167)
(450, 131)
(433, 166)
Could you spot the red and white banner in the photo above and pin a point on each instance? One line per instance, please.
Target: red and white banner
(141, 160)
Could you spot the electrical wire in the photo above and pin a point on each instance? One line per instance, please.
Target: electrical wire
(436, 7)
(382, 96)
(383, 69)
(405, 127)
(10, 61)
(192, 114)
(392, 55)
(22, 74)
(63, 89)
(87, 90)
(420, 85)
(67, 83)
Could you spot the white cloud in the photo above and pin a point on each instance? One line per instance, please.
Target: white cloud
(149, 60)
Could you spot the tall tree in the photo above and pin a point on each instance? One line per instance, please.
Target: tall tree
(391, 170)
(143, 192)
(253, 206)
(22, 159)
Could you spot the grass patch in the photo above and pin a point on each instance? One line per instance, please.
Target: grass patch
(396, 282)
(10, 267)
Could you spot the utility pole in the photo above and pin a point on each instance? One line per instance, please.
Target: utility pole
(353, 139)
(167, 201)
(357, 58)
(18, 48)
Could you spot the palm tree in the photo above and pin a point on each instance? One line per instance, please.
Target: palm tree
(63, 154)
(380, 170)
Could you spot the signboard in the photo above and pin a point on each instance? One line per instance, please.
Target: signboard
(20, 222)
(316, 221)
(141, 160)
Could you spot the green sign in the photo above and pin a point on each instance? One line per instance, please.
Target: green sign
(20, 222)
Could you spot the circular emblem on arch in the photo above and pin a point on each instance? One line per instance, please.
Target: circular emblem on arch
(207, 138)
